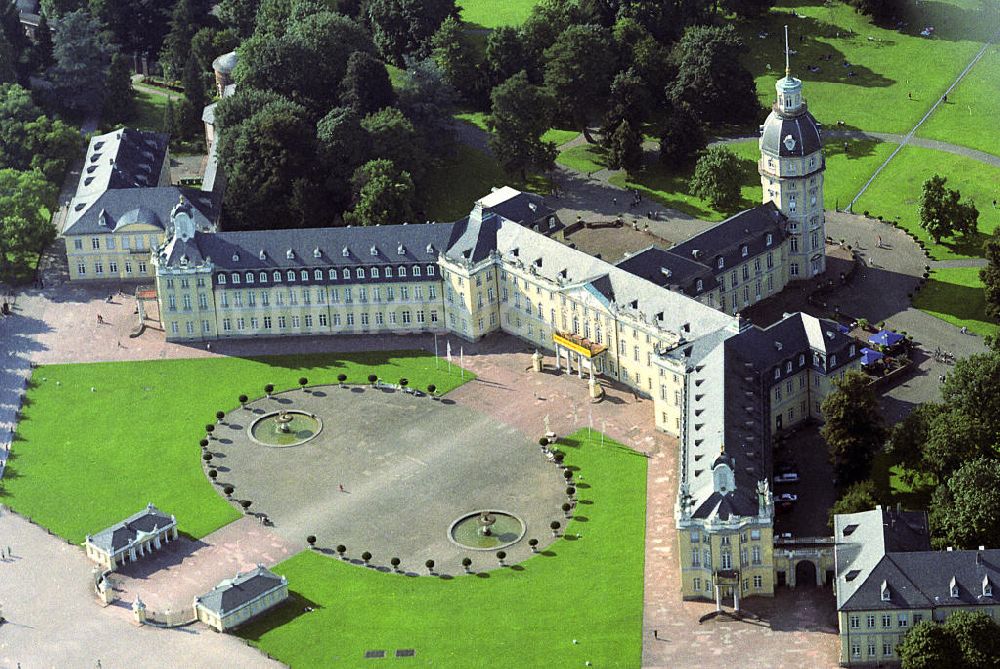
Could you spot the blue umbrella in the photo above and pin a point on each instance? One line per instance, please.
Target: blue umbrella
(885, 338)
(870, 357)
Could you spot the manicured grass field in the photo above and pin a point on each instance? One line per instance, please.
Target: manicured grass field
(589, 589)
(468, 176)
(150, 108)
(495, 13)
(586, 158)
(85, 459)
(955, 294)
(554, 135)
(969, 116)
(887, 64)
(895, 194)
(670, 186)
(897, 484)
(847, 172)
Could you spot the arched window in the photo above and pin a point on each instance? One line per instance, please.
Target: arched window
(276, 276)
(402, 271)
(290, 275)
(222, 279)
(263, 277)
(249, 277)
(699, 285)
(359, 273)
(318, 275)
(722, 262)
(345, 273)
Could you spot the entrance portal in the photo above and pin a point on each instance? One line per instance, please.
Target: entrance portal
(805, 574)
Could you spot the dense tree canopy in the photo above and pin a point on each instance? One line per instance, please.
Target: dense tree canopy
(17, 53)
(239, 15)
(26, 202)
(718, 177)
(521, 113)
(394, 138)
(457, 56)
(711, 78)
(82, 56)
(366, 86)
(624, 148)
(990, 276)
(978, 638)
(119, 102)
(343, 146)
(965, 511)
(862, 496)
(506, 55)
(136, 25)
(681, 137)
(404, 27)
(578, 70)
(928, 646)
(29, 140)
(383, 195)
(853, 431)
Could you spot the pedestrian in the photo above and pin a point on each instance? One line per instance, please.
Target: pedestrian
(656, 634)
(614, 201)
(341, 486)
(100, 320)
(994, 203)
(909, 96)
(119, 343)
(878, 241)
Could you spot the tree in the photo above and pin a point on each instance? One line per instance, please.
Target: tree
(26, 202)
(19, 56)
(82, 57)
(169, 124)
(430, 566)
(928, 646)
(624, 148)
(341, 549)
(366, 556)
(853, 431)
(978, 638)
(366, 87)
(311, 540)
(383, 195)
(268, 389)
(262, 157)
(990, 276)
(505, 55)
(195, 97)
(711, 78)
(971, 388)
(43, 56)
(372, 378)
(138, 26)
(341, 378)
(393, 137)
(942, 213)
(176, 52)
(404, 27)
(862, 496)
(219, 415)
(431, 388)
(953, 438)
(718, 177)
(457, 56)
(246, 505)
(118, 97)
(466, 564)
(428, 101)
(243, 399)
(30, 140)
(681, 138)
(578, 71)
(907, 439)
(554, 526)
(520, 116)
(880, 10)
(209, 43)
(239, 15)
(395, 563)
(748, 8)
(501, 556)
(8, 61)
(965, 511)
(629, 100)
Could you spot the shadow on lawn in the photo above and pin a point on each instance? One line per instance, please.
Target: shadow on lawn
(295, 606)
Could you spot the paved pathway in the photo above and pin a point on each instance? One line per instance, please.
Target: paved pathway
(54, 620)
(168, 580)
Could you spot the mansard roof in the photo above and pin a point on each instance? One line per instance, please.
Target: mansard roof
(121, 535)
(235, 593)
(118, 208)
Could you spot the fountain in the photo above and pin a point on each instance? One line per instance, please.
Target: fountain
(487, 529)
(285, 428)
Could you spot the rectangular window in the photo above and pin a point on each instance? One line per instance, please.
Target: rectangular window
(241, 324)
(227, 324)
(855, 622)
(697, 584)
(267, 322)
(758, 582)
(95, 243)
(323, 320)
(350, 320)
(886, 620)
(902, 619)
(128, 266)
(173, 328)
(392, 318)
(282, 322)
(364, 320)
(870, 620)
(336, 320)
(308, 320)
(98, 268)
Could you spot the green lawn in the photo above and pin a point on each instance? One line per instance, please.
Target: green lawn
(670, 186)
(589, 589)
(149, 110)
(956, 295)
(85, 459)
(554, 135)
(559, 137)
(453, 187)
(495, 13)
(887, 64)
(895, 194)
(847, 172)
(971, 108)
(896, 484)
(586, 158)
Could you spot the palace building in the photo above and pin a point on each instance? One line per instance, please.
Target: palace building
(664, 321)
(138, 535)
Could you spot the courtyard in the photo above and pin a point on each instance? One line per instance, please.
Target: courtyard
(388, 473)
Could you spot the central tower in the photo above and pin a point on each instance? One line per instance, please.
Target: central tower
(791, 174)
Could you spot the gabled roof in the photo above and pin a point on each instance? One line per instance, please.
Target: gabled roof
(794, 335)
(115, 209)
(527, 209)
(122, 158)
(670, 270)
(120, 535)
(749, 228)
(234, 593)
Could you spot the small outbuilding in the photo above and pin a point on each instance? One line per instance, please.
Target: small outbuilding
(236, 600)
(138, 535)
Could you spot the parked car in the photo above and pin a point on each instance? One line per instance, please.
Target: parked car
(786, 468)
(787, 477)
(786, 497)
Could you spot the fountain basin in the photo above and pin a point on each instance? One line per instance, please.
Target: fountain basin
(506, 530)
(285, 428)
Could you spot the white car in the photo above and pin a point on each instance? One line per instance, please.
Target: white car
(787, 477)
(786, 497)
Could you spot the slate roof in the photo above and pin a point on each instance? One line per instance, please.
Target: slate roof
(234, 593)
(120, 535)
(123, 158)
(670, 270)
(802, 127)
(726, 240)
(527, 209)
(115, 209)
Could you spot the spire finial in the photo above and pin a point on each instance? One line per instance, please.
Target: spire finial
(788, 68)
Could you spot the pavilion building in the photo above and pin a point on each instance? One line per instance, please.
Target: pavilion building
(128, 541)
(235, 601)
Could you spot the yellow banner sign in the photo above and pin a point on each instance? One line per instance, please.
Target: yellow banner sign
(573, 346)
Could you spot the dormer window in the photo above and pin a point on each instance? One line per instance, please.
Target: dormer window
(833, 361)
(699, 285)
(744, 251)
(953, 587)
(853, 349)
(318, 275)
(345, 273)
(401, 250)
(777, 372)
(430, 270)
(263, 277)
(304, 275)
(388, 272)
(402, 271)
(987, 587)
(262, 255)
(416, 270)
(236, 257)
(788, 367)
(235, 277)
(770, 239)
(359, 273)
(374, 272)
(802, 360)
(722, 262)
(290, 275)
(374, 250)
(249, 277)
(886, 594)
(276, 277)
(290, 254)
(317, 253)
(332, 275)
(222, 279)
(344, 252)
(430, 248)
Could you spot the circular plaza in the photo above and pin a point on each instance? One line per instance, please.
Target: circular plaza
(389, 473)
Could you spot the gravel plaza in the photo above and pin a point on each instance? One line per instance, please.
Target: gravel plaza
(409, 466)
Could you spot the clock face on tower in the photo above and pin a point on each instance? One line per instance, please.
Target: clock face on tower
(789, 142)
